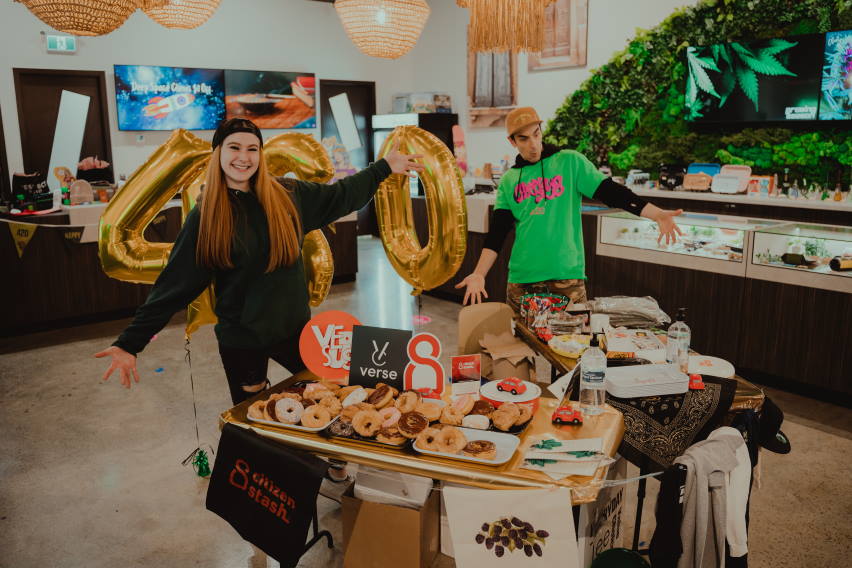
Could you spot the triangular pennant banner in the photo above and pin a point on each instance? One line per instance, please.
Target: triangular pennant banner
(21, 234)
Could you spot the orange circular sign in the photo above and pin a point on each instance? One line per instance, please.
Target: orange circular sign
(326, 345)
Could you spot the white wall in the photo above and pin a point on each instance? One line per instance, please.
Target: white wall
(441, 63)
(301, 35)
(278, 35)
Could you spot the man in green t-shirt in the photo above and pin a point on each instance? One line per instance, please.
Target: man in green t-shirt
(541, 196)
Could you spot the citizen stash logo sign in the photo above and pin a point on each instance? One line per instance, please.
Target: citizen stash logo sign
(379, 355)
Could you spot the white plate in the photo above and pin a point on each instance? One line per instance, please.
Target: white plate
(506, 444)
(713, 366)
(294, 426)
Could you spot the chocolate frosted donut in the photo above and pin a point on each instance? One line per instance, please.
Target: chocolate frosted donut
(481, 449)
(380, 397)
(412, 423)
(482, 407)
(341, 428)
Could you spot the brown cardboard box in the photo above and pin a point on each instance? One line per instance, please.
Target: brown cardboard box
(478, 319)
(378, 536)
(506, 356)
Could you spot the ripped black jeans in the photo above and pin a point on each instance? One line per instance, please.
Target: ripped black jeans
(246, 368)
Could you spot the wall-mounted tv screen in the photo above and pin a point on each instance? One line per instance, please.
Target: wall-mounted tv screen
(164, 98)
(773, 80)
(836, 92)
(271, 99)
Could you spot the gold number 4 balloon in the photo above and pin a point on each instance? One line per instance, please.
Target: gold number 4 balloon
(430, 266)
(179, 165)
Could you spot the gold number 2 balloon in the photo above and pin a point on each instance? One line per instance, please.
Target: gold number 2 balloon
(432, 265)
(177, 165)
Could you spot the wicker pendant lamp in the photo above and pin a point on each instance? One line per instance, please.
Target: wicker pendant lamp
(180, 14)
(505, 25)
(383, 28)
(82, 17)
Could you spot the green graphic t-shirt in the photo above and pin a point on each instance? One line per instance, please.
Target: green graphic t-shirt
(545, 198)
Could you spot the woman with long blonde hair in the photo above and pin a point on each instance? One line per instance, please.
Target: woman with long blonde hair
(245, 238)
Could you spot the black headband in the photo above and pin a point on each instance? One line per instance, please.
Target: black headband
(232, 125)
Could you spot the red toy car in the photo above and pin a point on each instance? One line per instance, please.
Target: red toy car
(567, 415)
(512, 385)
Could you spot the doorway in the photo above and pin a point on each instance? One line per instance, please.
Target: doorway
(362, 100)
(38, 92)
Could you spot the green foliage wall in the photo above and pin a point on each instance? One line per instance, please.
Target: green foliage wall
(630, 112)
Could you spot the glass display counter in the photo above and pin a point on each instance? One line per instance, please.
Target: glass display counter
(803, 254)
(713, 243)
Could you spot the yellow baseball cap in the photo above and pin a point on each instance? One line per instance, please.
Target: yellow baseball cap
(520, 118)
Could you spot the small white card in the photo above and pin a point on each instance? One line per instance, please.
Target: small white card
(560, 386)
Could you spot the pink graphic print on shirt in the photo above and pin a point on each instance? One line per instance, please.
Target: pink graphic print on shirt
(539, 188)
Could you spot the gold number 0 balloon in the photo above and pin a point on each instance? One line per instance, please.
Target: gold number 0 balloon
(432, 265)
(179, 165)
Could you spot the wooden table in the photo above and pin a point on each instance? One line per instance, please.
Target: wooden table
(584, 489)
(748, 395)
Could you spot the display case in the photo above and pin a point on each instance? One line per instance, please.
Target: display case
(713, 243)
(801, 254)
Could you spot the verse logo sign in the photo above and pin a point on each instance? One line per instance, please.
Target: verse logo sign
(378, 356)
(326, 344)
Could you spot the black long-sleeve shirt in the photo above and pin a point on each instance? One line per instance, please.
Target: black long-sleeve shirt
(255, 309)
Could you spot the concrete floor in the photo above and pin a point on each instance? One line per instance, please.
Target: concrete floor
(91, 473)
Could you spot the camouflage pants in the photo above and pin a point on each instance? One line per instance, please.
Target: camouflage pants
(574, 288)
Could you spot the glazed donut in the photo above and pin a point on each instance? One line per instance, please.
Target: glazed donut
(332, 404)
(288, 411)
(341, 428)
(452, 416)
(320, 394)
(312, 389)
(349, 412)
(333, 387)
(478, 421)
(526, 414)
(390, 436)
(346, 391)
(450, 440)
(381, 397)
(255, 411)
(412, 423)
(367, 423)
(390, 416)
(293, 395)
(316, 416)
(482, 407)
(408, 401)
(480, 449)
(430, 410)
(464, 403)
(506, 416)
(426, 440)
(354, 397)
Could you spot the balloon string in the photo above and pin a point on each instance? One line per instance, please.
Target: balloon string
(188, 360)
(198, 457)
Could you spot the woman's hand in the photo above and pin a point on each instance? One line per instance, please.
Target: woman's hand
(403, 163)
(668, 228)
(475, 284)
(121, 360)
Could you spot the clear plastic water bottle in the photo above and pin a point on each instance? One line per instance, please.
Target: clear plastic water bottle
(592, 379)
(677, 344)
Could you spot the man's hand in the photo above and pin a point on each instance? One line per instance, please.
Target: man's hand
(668, 227)
(121, 360)
(403, 163)
(475, 288)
